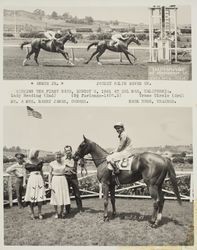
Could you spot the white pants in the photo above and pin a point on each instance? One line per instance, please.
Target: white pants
(118, 156)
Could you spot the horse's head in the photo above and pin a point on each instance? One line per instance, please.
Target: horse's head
(71, 37)
(136, 40)
(83, 149)
(133, 38)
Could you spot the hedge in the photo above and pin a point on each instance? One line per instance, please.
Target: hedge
(32, 34)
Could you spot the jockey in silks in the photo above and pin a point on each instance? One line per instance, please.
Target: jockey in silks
(123, 151)
(117, 37)
(51, 35)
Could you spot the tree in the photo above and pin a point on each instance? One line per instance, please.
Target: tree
(133, 29)
(40, 13)
(99, 29)
(66, 15)
(54, 15)
(89, 20)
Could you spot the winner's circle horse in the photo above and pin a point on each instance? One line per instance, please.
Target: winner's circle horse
(122, 46)
(56, 46)
(150, 167)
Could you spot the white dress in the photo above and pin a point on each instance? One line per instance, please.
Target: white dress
(35, 191)
(59, 185)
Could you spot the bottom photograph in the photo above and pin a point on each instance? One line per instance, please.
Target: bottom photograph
(97, 176)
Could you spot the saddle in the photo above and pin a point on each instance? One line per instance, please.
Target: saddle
(124, 164)
(113, 43)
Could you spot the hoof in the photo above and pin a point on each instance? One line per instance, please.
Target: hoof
(155, 225)
(85, 62)
(71, 64)
(151, 222)
(106, 219)
(113, 215)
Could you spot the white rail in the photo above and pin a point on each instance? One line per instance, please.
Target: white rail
(131, 48)
(99, 194)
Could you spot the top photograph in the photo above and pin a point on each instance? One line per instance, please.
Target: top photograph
(94, 43)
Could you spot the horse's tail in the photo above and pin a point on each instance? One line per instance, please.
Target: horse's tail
(172, 175)
(24, 43)
(92, 44)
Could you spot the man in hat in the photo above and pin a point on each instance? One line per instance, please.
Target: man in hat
(123, 150)
(71, 175)
(18, 170)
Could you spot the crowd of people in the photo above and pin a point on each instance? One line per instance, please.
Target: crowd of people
(62, 176)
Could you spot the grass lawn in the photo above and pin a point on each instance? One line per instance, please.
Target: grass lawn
(130, 227)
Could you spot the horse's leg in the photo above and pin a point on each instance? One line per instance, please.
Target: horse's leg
(93, 54)
(28, 56)
(160, 206)
(154, 194)
(132, 55)
(105, 196)
(112, 197)
(126, 54)
(36, 56)
(66, 56)
(99, 55)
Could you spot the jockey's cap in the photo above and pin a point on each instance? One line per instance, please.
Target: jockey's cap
(119, 125)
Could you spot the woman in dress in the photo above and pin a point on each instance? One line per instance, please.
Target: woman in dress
(35, 191)
(58, 184)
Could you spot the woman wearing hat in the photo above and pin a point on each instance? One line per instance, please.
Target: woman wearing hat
(35, 191)
(59, 185)
(18, 170)
(124, 149)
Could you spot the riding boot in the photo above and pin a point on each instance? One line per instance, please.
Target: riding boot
(115, 168)
(117, 181)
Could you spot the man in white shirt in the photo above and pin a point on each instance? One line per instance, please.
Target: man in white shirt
(18, 170)
(71, 175)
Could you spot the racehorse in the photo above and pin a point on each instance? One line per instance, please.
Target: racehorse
(48, 45)
(122, 46)
(150, 167)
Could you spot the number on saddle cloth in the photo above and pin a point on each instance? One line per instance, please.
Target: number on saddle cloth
(125, 164)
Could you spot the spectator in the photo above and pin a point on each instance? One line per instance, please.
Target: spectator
(35, 192)
(18, 170)
(83, 166)
(59, 185)
(71, 175)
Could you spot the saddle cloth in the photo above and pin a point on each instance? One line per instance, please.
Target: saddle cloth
(124, 164)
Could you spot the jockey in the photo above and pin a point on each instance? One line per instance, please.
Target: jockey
(124, 149)
(117, 37)
(51, 35)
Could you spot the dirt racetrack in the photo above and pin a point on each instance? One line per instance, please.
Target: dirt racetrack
(129, 228)
(53, 66)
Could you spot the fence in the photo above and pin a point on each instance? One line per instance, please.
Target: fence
(132, 49)
(90, 194)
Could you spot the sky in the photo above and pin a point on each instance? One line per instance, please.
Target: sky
(131, 14)
(66, 125)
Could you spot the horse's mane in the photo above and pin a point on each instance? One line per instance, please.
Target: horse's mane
(102, 148)
(99, 147)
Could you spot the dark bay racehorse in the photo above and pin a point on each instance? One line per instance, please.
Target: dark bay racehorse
(48, 45)
(150, 167)
(122, 46)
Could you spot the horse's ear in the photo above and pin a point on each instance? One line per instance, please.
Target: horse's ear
(84, 138)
